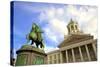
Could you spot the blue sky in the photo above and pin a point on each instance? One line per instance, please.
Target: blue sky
(52, 18)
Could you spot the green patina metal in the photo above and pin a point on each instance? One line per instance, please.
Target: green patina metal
(36, 36)
(29, 55)
(32, 48)
(38, 60)
(21, 60)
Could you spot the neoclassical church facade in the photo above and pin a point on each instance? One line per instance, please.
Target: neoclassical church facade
(76, 47)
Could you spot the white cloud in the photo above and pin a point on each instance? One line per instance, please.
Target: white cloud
(60, 11)
(58, 18)
(51, 12)
(50, 34)
(86, 16)
(59, 25)
(49, 49)
(91, 27)
(83, 13)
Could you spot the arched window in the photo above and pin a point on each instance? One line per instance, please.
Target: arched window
(72, 27)
(76, 26)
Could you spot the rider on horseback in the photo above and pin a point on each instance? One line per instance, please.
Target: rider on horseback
(36, 36)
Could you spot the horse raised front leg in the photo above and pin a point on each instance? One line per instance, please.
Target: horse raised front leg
(42, 45)
(36, 45)
(32, 42)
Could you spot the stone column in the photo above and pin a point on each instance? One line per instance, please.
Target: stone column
(94, 48)
(53, 58)
(87, 51)
(66, 56)
(80, 53)
(60, 57)
(73, 55)
(48, 60)
(57, 58)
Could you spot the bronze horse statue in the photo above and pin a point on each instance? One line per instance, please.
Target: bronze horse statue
(36, 36)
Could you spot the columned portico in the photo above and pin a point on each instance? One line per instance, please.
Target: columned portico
(72, 52)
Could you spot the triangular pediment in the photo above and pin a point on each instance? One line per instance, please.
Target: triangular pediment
(75, 38)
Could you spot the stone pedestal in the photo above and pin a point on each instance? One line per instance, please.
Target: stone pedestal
(29, 55)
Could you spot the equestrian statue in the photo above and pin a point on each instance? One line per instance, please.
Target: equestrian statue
(35, 36)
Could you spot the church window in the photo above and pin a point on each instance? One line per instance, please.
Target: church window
(72, 27)
(76, 26)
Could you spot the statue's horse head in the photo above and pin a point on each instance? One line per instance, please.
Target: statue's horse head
(32, 34)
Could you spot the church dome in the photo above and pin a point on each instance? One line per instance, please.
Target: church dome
(73, 27)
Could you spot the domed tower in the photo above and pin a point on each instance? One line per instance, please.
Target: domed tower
(73, 27)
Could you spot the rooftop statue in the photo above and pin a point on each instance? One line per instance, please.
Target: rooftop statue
(36, 36)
